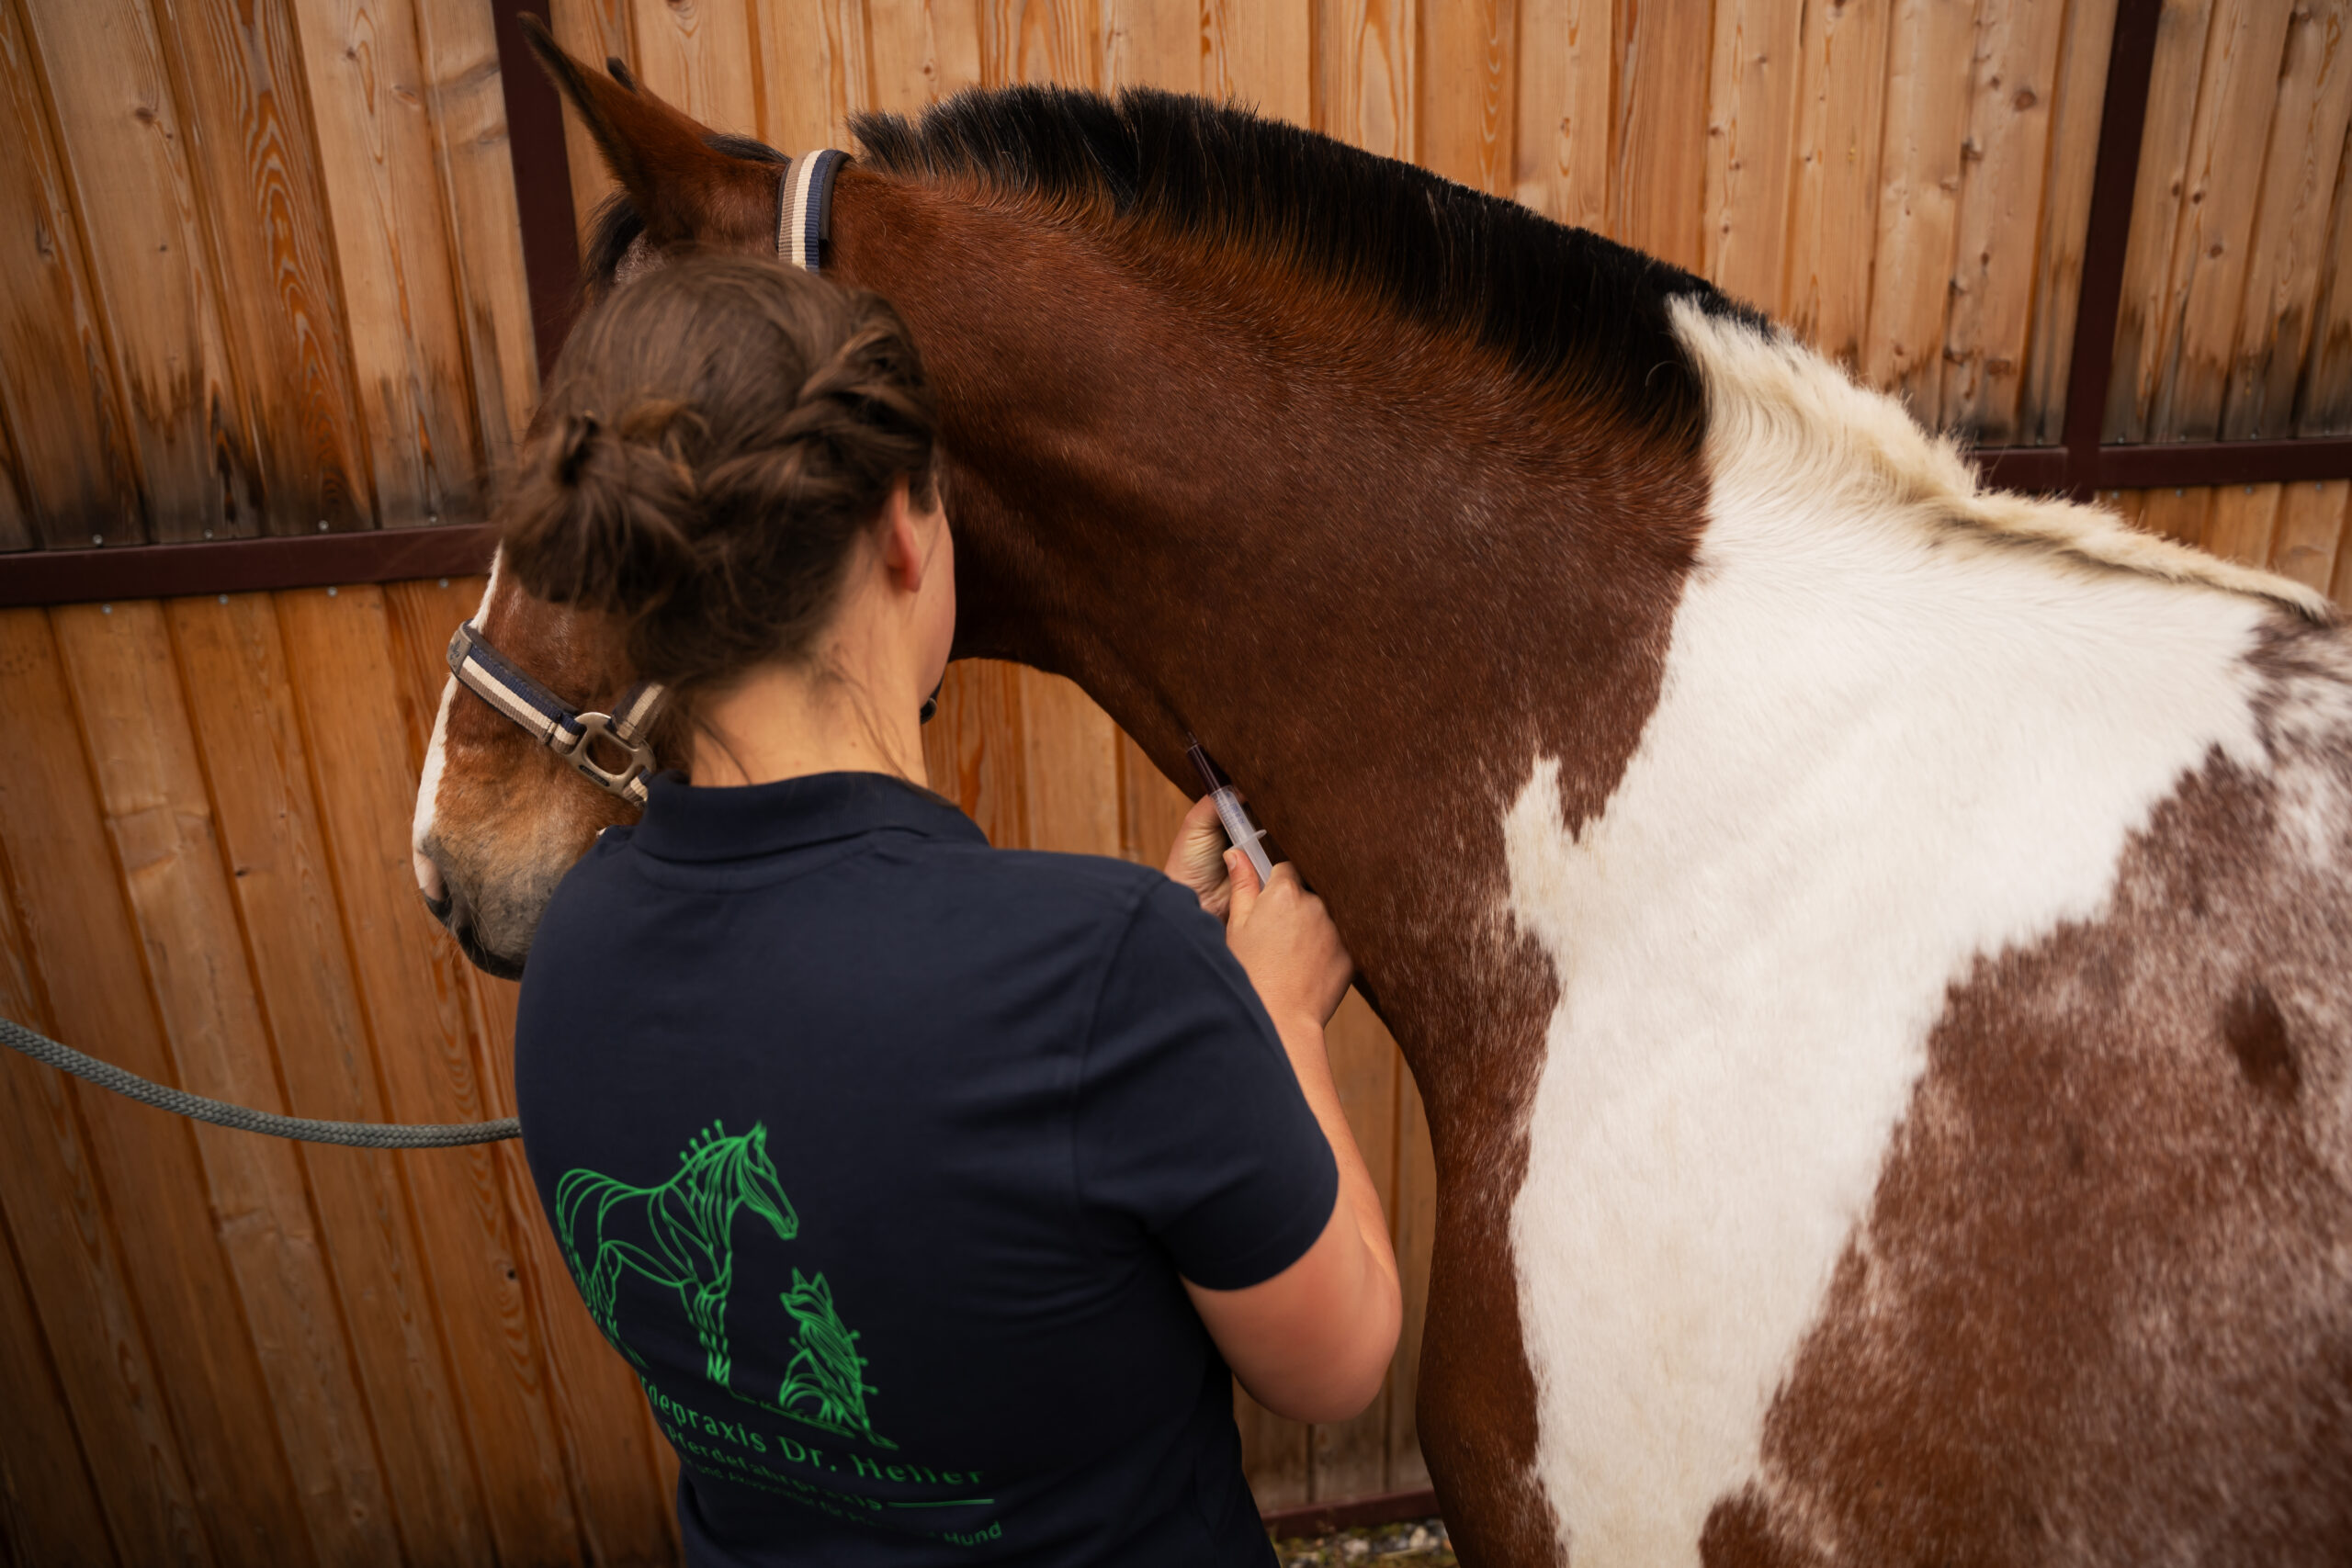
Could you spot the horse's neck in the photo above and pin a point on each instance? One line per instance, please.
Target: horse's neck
(1368, 569)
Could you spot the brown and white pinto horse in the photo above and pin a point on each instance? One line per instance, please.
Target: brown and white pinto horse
(1877, 953)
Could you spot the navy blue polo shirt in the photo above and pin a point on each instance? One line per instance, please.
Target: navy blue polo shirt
(880, 1154)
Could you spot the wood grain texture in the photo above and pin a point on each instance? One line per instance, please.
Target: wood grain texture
(151, 789)
(601, 1415)
(65, 1265)
(370, 101)
(1833, 217)
(1467, 109)
(1660, 174)
(415, 992)
(973, 749)
(2311, 532)
(1413, 1222)
(2241, 522)
(2324, 395)
(922, 51)
(72, 472)
(2005, 160)
(1368, 63)
(2066, 219)
(1261, 53)
(1755, 73)
(1070, 756)
(2284, 253)
(1920, 173)
(814, 69)
(1152, 43)
(2158, 196)
(49, 1509)
(1349, 1458)
(1041, 41)
(466, 105)
(176, 1374)
(1566, 108)
(233, 667)
(2186, 366)
(124, 145)
(236, 72)
(697, 55)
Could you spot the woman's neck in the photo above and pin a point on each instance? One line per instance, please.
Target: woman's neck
(783, 721)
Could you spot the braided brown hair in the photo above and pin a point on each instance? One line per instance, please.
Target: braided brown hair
(714, 440)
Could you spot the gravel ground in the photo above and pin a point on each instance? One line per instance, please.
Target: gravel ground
(1423, 1544)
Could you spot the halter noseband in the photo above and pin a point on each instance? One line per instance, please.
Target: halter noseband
(804, 211)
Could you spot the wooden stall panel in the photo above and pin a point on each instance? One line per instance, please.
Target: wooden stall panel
(1918, 208)
(1825, 292)
(1567, 110)
(64, 436)
(1753, 94)
(123, 145)
(2065, 220)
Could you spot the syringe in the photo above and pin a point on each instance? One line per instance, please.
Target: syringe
(1246, 836)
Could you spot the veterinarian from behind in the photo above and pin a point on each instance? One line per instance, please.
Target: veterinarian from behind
(930, 1189)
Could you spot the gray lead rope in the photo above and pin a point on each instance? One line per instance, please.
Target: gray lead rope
(196, 1107)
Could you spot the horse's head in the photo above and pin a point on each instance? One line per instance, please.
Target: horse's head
(762, 1188)
(499, 819)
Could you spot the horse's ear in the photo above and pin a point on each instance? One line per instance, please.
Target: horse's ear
(687, 190)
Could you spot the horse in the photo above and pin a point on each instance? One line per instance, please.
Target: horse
(679, 1234)
(1873, 949)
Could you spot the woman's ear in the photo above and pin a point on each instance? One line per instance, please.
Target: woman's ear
(906, 556)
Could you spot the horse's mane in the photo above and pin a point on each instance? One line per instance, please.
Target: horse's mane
(1573, 312)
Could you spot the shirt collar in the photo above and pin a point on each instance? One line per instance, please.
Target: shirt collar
(683, 823)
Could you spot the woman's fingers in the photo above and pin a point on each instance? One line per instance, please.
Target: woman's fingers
(1196, 860)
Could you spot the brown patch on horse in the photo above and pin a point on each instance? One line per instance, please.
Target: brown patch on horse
(2102, 1309)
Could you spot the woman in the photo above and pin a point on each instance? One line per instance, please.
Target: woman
(930, 1189)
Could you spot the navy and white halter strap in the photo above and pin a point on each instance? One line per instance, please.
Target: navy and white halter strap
(804, 213)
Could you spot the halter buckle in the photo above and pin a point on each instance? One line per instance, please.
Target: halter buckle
(577, 753)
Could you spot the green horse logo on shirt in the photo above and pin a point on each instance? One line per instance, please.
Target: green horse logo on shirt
(681, 1235)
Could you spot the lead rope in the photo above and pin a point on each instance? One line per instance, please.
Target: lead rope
(803, 224)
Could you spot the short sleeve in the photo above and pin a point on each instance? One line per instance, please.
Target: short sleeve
(1189, 1122)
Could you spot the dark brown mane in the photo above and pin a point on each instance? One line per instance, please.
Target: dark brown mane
(1575, 312)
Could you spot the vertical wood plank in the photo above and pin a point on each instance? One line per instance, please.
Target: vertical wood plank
(151, 788)
(2176, 514)
(922, 51)
(595, 31)
(237, 76)
(1834, 205)
(69, 436)
(1414, 1221)
(1366, 58)
(2066, 219)
(1566, 110)
(392, 246)
(1467, 112)
(414, 993)
(814, 69)
(1041, 41)
(124, 142)
(66, 1267)
(2234, 113)
(1659, 186)
(1152, 43)
(973, 750)
(1349, 1458)
(16, 504)
(1151, 809)
(1752, 112)
(467, 105)
(600, 1411)
(1261, 53)
(2291, 211)
(2242, 522)
(1920, 173)
(241, 699)
(2158, 196)
(50, 1510)
(2310, 532)
(2324, 397)
(697, 55)
(196, 1435)
(1071, 755)
(2005, 160)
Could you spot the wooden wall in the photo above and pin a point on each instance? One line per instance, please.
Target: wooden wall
(265, 278)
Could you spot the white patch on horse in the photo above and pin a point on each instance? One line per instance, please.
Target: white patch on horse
(1888, 740)
(428, 783)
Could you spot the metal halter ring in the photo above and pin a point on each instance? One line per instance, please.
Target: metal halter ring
(578, 753)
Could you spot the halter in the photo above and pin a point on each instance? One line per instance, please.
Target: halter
(804, 211)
